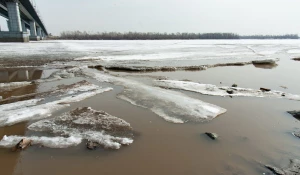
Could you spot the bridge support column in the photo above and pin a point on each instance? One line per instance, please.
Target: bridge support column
(8, 25)
(15, 33)
(33, 34)
(39, 33)
(23, 27)
(14, 16)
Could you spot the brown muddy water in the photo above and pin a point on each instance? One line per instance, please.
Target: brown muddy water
(253, 132)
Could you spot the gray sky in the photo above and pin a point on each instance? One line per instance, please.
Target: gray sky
(238, 16)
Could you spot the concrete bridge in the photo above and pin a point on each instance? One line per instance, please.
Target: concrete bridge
(21, 15)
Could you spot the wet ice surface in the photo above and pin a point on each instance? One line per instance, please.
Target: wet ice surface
(29, 110)
(209, 89)
(172, 106)
(97, 126)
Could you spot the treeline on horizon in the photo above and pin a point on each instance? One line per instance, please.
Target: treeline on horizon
(288, 36)
(78, 35)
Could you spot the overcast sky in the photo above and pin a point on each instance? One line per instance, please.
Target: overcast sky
(238, 16)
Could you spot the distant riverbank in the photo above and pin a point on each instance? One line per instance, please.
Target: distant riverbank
(79, 35)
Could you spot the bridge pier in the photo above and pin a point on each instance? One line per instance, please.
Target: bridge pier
(23, 27)
(15, 33)
(33, 33)
(14, 16)
(8, 25)
(39, 33)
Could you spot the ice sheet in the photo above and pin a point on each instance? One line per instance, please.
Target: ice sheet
(14, 85)
(209, 89)
(148, 50)
(23, 111)
(50, 142)
(172, 106)
(19, 104)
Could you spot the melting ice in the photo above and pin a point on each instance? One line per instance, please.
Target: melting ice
(209, 89)
(172, 106)
(29, 110)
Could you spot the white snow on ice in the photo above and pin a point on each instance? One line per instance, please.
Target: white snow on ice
(294, 51)
(149, 50)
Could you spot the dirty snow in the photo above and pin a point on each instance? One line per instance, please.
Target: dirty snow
(86, 123)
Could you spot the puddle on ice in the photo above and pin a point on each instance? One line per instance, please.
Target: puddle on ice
(209, 89)
(172, 106)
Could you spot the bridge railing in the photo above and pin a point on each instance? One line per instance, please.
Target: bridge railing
(33, 3)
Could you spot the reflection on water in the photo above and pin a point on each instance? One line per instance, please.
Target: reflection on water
(17, 75)
(9, 75)
(266, 66)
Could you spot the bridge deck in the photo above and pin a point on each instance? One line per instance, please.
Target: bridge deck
(29, 8)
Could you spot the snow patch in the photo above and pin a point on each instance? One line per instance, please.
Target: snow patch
(294, 51)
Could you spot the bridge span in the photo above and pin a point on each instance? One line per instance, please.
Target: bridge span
(21, 15)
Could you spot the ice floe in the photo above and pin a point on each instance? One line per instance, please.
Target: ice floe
(27, 110)
(19, 104)
(13, 85)
(50, 142)
(209, 89)
(86, 123)
(88, 58)
(172, 106)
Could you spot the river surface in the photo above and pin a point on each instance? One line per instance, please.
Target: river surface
(252, 132)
